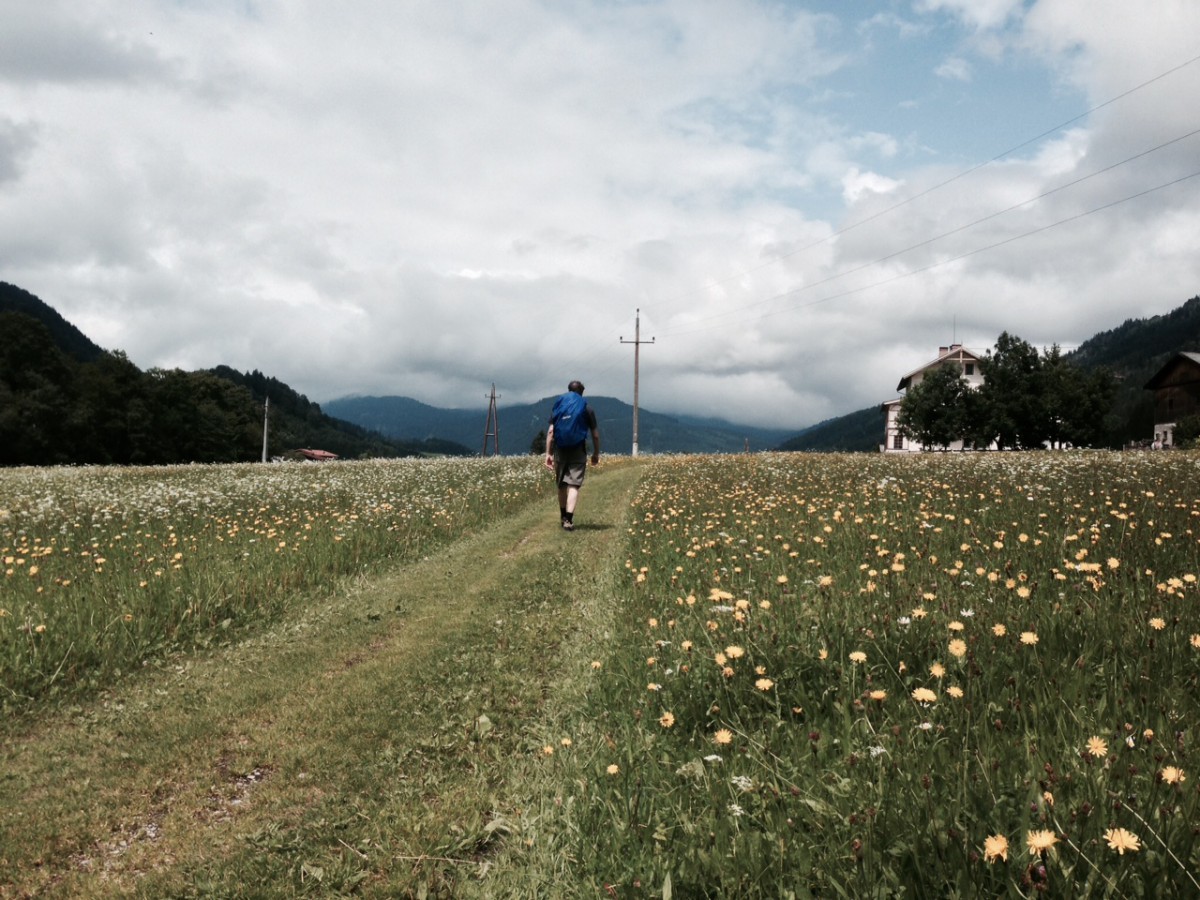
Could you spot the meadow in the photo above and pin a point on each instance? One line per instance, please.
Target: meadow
(860, 676)
(104, 569)
(776, 675)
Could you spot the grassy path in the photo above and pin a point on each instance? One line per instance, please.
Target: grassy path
(369, 745)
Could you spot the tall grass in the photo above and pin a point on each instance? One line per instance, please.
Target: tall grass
(103, 569)
(958, 675)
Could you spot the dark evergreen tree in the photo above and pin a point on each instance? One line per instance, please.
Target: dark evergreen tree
(111, 421)
(36, 394)
(1078, 403)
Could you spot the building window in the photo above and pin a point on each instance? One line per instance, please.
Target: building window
(968, 368)
(898, 442)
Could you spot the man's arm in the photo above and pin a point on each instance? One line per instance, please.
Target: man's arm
(595, 446)
(550, 447)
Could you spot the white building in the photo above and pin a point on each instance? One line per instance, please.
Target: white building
(894, 441)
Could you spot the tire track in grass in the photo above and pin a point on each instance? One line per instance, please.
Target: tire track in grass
(364, 744)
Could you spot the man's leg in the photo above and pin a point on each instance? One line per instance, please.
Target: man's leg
(568, 496)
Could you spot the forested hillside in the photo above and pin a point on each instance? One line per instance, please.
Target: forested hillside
(860, 431)
(1133, 352)
(63, 400)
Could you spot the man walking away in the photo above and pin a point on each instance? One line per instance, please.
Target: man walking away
(566, 448)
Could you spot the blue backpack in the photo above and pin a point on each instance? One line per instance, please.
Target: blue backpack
(569, 418)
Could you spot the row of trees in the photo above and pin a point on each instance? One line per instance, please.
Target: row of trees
(56, 409)
(1028, 400)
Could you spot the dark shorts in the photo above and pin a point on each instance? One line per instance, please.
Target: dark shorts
(570, 465)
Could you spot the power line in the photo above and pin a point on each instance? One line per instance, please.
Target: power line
(949, 233)
(961, 256)
(670, 301)
(936, 187)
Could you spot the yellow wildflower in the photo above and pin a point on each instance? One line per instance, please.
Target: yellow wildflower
(1172, 775)
(1097, 747)
(1040, 841)
(1121, 840)
(995, 847)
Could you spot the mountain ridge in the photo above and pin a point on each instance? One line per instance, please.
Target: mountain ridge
(520, 424)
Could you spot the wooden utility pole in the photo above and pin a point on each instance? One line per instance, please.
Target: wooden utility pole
(637, 343)
(492, 428)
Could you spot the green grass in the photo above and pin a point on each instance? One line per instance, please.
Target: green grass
(105, 569)
(715, 687)
(852, 676)
(365, 743)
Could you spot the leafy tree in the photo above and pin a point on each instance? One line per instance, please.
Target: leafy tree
(538, 445)
(1186, 432)
(934, 411)
(1013, 395)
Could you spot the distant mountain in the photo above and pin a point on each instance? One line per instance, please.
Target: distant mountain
(298, 422)
(520, 424)
(63, 400)
(69, 339)
(1142, 345)
(860, 431)
(1133, 352)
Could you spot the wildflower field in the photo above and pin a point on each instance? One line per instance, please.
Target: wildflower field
(105, 569)
(771, 675)
(947, 675)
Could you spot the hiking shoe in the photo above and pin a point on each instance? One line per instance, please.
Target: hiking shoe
(568, 525)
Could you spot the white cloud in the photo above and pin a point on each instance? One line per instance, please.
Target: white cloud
(979, 14)
(954, 69)
(428, 197)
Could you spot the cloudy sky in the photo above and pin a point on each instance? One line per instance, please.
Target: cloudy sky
(426, 197)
